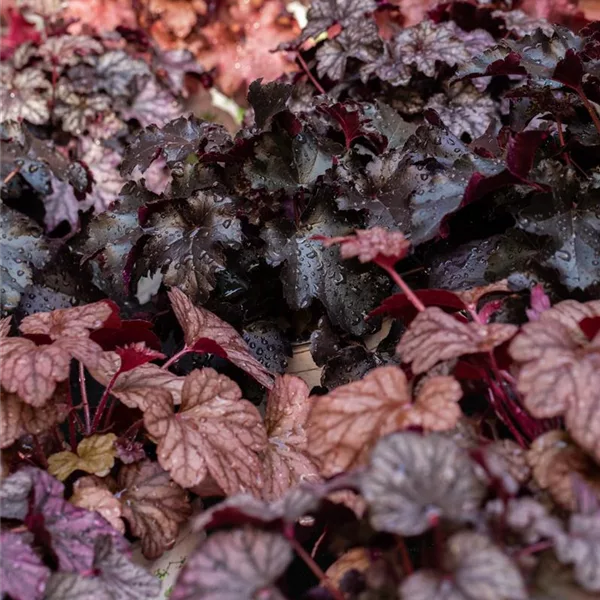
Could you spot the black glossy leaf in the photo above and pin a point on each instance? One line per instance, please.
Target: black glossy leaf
(22, 248)
(111, 236)
(347, 365)
(572, 227)
(324, 342)
(269, 345)
(513, 254)
(311, 271)
(268, 100)
(388, 122)
(283, 162)
(175, 141)
(187, 239)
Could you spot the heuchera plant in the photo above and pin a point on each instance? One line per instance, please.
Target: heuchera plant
(435, 169)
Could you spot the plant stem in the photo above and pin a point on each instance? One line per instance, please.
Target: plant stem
(11, 175)
(84, 399)
(39, 452)
(403, 286)
(314, 567)
(538, 547)
(185, 350)
(103, 402)
(561, 139)
(72, 430)
(310, 75)
(407, 565)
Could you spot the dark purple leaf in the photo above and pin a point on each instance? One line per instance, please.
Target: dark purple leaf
(175, 141)
(268, 100)
(69, 531)
(23, 574)
(574, 229)
(110, 237)
(269, 345)
(235, 565)
(22, 248)
(281, 162)
(116, 578)
(187, 239)
(116, 70)
(324, 13)
(360, 40)
(310, 271)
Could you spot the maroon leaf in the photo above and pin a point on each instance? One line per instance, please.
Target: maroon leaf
(134, 355)
(23, 574)
(198, 323)
(242, 564)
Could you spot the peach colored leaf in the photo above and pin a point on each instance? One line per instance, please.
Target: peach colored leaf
(239, 44)
(570, 313)
(554, 460)
(559, 369)
(18, 418)
(198, 323)
(32, 371)
(92, 494)
(580, 546)
(95, 454)
(507, 461)
(287, 461)
(472, 568)
(345, 424)
(153, 505)
(101, 15)
(436, 407)
(136, 388)
(582, 418)
(215, 431)
(413, 480)
(434, 336)
(370, 245)
(69, 322)
(242, 564)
